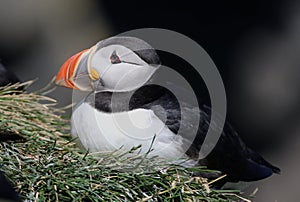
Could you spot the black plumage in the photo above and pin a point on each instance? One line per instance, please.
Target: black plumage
(230, 156)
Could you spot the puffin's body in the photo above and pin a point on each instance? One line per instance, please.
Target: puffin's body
(126, 108)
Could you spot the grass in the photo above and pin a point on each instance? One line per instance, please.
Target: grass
(42, 161)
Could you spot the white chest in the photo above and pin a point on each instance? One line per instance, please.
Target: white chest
(98, 131)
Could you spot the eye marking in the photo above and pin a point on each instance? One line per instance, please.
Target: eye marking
(133, 63)
(114, 58)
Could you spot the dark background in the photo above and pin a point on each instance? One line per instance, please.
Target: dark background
(255, 45)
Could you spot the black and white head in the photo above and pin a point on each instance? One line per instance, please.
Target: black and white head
(116, 64)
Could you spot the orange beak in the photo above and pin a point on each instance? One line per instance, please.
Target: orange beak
(67, 72)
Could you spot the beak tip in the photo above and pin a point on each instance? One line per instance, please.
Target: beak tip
(59, 82)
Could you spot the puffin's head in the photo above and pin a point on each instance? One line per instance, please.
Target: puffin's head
(116, 64)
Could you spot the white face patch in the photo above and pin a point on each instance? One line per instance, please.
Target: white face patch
(130, 73)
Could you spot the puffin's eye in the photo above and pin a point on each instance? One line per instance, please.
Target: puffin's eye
(114, 58)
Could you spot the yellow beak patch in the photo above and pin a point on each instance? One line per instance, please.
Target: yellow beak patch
(94, 75)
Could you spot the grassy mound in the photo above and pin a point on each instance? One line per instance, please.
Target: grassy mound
(44, 164)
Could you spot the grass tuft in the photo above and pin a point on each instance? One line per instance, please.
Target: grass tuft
(40, 159)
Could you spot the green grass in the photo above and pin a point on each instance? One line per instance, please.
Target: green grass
(46, 165)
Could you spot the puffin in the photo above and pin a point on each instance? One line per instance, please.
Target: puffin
(125, 107)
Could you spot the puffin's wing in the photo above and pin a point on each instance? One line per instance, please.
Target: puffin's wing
(233, 157)
(230, 155)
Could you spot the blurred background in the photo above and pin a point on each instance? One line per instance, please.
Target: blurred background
(255, 45)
